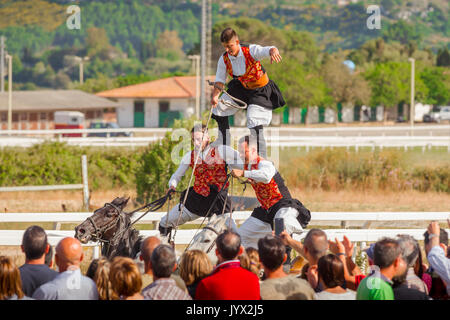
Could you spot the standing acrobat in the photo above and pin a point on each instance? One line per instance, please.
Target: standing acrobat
(250, 84)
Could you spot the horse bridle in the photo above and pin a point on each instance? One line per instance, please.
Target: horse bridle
(98, 232)
(216, 232)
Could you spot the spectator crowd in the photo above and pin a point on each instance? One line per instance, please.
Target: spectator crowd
(323, 269)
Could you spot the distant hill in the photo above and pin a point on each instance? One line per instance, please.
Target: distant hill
(39, 24)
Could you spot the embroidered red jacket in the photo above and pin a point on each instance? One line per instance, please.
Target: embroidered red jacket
(254, 75)
(210, 172)
(267, 193)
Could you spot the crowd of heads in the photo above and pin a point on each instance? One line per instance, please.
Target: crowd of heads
(322, 269)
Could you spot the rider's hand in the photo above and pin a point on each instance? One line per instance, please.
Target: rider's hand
(237, 173)
(274, 55)
(214, 101)
(171, 189)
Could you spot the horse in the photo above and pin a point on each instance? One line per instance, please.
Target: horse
(110, 225)
(205, 239)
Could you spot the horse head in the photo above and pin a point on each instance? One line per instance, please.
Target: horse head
(103, 224)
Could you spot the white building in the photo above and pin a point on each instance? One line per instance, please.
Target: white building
(156, 103)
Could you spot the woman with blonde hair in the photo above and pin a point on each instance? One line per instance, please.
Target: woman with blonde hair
(194, 266)
(10, 282)
(101, 279)
(125, 279)
(250, 261)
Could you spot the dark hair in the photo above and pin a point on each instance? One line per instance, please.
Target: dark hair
(34, 242)
(385, 252)
(443, 237)
(49, 256)
(90, 273)
(163, 260)
(316, 248)
(271, 252)
(198, 127)
(331, 271)
(228, 244)
(227, 35)
(249, 140)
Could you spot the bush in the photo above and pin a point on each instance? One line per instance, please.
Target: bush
(386, 170)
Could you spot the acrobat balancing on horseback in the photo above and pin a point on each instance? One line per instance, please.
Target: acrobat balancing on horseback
(252, 89)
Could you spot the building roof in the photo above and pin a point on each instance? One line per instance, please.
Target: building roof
(54, 100)
(168, 88)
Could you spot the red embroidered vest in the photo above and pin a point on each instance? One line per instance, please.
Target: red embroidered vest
(212, 172)
(267, 193)
(254, 76)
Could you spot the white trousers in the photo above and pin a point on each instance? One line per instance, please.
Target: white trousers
(256, 115)
(254, 229)
(172, 221)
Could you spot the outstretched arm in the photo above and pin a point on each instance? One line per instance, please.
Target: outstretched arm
(258, 52)
(344, 253)
(179, 173)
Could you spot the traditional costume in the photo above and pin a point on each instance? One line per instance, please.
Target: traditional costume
(276, 202)
(210, 175)
(250, 84)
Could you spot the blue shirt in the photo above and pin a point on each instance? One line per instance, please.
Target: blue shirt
(68, 285)
(440, 264)
(35, 275)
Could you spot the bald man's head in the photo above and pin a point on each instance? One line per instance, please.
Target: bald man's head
(148, 245)
(69, 252)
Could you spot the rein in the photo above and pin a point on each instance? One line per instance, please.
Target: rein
(239, 103)
(99, 232)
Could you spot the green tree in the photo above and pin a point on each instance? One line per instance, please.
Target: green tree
(402, 32)
(169, 46)
(345, 86)
(390, 84)
(96, 41)
(437, 80)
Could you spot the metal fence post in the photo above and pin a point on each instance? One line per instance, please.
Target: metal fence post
(85, 182)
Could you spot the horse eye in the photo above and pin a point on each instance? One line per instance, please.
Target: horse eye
(207, 240)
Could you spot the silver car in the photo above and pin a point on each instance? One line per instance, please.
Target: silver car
(441, 113)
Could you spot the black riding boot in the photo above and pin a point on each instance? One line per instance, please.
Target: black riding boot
(258, 134)
(224, 129)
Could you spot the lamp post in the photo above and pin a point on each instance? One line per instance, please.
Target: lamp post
(412, 107)
(9, 57)
(196, 60)
(82, 67)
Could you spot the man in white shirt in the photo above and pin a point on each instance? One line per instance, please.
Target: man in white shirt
(250, 84)
(209, 190)
(273, 195)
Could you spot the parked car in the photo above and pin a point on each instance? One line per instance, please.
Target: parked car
(107, 125)
(438, 114)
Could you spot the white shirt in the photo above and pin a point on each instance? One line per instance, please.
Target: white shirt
(264, 172)
(238, 63)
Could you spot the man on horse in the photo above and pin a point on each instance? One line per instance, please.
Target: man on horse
(273, 195)
(208, 195)
(249, 84)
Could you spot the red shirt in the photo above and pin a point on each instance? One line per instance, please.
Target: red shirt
(229, 281)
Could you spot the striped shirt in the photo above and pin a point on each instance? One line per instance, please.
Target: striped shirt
(164, 289)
